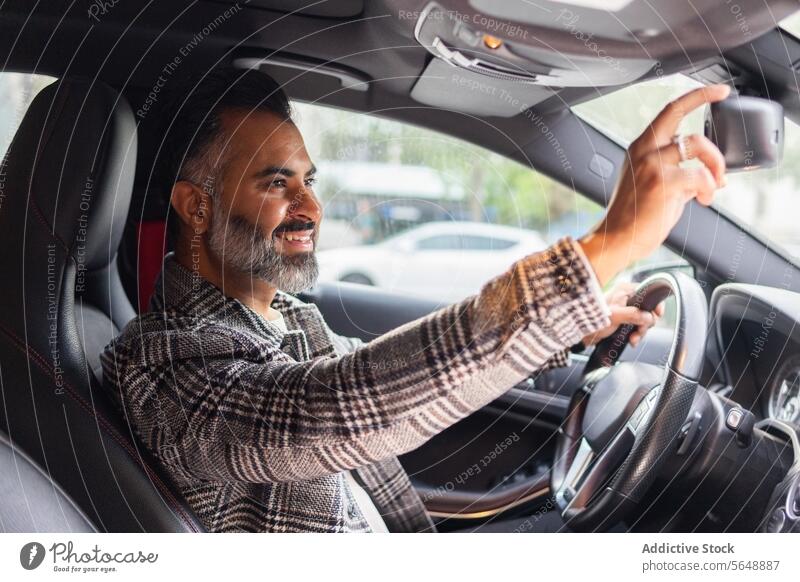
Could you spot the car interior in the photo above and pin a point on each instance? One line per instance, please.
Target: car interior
(694, 429)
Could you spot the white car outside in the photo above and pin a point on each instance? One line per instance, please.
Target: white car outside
(447, 261)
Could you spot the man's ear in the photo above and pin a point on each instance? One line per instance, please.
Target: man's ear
(192, 205)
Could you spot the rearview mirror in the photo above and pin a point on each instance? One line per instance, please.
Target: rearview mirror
(747, 130)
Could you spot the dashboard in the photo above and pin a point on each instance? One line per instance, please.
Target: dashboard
(757, 345)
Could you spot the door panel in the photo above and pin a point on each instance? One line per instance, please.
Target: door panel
(365, 312)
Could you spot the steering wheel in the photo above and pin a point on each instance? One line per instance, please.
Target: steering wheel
(624, 419)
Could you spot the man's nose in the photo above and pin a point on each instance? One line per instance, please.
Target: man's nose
(306, 206)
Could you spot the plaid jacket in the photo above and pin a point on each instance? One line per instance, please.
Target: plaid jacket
(257, 426)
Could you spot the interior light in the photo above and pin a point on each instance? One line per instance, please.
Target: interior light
(491, 42)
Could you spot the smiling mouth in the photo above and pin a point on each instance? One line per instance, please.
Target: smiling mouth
(297, 235)
(296, 239)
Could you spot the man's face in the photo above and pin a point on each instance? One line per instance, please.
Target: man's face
(265, 219)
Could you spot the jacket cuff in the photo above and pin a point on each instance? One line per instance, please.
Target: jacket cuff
(558, 360)
(558, 297)
(594, 283)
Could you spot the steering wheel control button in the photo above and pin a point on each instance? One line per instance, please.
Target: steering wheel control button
(638, 415)
(777, 521)
(741, 422)
(642, 410)
(734, 419)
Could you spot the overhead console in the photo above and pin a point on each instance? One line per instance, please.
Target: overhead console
(498, 47)
(500, 58)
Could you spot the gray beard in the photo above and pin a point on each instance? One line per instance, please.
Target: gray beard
(242, 246)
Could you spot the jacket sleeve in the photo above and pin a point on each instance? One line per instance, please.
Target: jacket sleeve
(346, 344)
(286, 420)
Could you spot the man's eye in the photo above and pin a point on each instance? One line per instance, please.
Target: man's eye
(311, 181)
(276, 184)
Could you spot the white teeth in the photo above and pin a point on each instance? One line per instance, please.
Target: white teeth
(291, 237)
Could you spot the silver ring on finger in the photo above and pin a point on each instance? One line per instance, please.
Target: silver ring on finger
(680, 141)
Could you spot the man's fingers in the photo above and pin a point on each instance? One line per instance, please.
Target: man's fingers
(706, 185)
(697, 147)
(625, 288)
(664, 126)
(632, 315)
(620, 293)
(694, 183)
(702, 148)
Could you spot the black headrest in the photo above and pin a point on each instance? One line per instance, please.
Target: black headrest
(75, 155)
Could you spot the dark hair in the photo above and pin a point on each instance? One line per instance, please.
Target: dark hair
(195, 146)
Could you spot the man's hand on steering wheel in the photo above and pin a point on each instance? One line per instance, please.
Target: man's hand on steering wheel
(622, 314)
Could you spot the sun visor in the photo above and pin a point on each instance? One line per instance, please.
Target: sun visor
(448, 87)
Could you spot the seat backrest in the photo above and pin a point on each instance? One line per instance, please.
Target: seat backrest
(68, 181)
(30, 501)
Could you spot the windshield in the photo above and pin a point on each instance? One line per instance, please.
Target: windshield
(764, 201)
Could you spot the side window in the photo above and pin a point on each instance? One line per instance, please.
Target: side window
(17, 90)
(378, 178)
